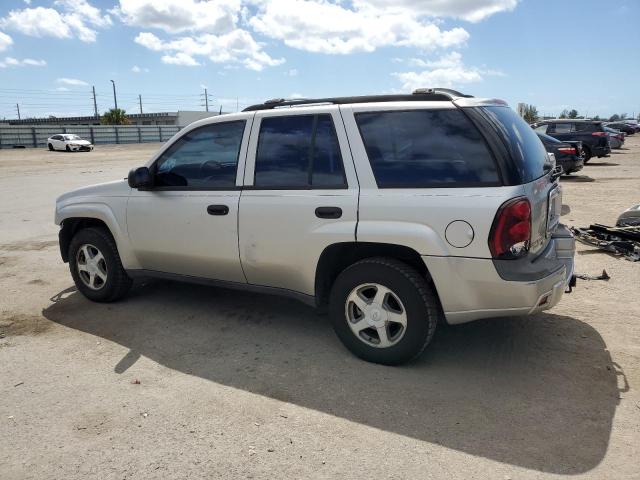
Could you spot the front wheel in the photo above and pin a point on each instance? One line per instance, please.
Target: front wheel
(96, 267)
(68, 148)
(50, 147)
(383, 310)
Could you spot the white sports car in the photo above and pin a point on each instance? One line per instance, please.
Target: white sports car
(68, 142)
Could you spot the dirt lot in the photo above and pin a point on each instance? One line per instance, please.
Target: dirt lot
(238, 385)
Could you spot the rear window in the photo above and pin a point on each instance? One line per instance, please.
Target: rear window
(524, 145)
(426, 148)
(298, 151)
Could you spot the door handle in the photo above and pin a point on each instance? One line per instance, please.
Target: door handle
(328, 212)
(217, 209)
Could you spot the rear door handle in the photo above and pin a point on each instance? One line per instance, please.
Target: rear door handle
(328, 212)
(217, 209)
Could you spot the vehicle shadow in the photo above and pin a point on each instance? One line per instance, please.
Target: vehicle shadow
(537, 392)
(603, 164)
(577, 178)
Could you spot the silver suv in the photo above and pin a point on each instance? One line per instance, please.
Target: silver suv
(395, 212)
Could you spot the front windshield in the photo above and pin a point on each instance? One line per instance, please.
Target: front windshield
(72, 137)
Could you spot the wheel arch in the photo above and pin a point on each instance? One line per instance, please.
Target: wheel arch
(338, 256)
(70, 226)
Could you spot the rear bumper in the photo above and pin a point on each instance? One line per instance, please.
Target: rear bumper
(570, 164)
(471, 289)
(601, 151)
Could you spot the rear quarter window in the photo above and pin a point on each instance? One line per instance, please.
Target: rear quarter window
(425, 149)
(525, 147)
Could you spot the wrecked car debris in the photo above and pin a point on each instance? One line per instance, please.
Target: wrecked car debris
(585, 276)
(624, 241)
(630, 217)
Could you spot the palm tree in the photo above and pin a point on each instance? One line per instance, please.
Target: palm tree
(115, 116)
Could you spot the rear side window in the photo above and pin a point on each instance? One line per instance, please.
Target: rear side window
(426, 148)
(298, 151)
(525, 147)
(564, 127)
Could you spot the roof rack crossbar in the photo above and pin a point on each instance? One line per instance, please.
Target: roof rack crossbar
(422, 94)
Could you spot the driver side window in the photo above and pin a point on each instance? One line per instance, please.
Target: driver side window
(206, 157)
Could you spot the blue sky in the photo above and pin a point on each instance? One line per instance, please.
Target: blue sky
(554, 54)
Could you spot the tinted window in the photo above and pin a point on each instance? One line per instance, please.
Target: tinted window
(426, 148)
(524, 145)
(298, 151)
(206, 157)
(564, 127)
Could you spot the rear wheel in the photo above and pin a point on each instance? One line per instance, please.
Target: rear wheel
(383, 310)
(587, 154)
(50, 147)
(96, 267)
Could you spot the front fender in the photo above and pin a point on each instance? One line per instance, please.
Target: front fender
(113, 215)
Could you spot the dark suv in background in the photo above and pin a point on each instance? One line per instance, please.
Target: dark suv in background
(594, 138)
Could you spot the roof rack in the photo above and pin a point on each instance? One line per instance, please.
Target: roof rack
(419, 95)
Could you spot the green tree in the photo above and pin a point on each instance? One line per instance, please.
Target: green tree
(614, 118)
(530, 114)
(597, 117)
(115, 116)
(573, 113)
(564, 113)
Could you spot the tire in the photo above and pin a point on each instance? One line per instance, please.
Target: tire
(50, 147)
(587, 154)
(86, 243)
(408, 293)
(68, 148)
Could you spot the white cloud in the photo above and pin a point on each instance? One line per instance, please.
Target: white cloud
(447, 71)
(180, 58)
(15, 62)
(76, 19)
(292, 73)
(5, 41)
(323, 27)
(137, 69)
(470, 10)
(237, 46)
(74, 82)
(296, 95)
(213, 16)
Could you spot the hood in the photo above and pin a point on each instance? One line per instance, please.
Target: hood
(117, 188)
(79, 142)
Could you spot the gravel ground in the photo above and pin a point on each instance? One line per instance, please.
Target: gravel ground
(182, 381)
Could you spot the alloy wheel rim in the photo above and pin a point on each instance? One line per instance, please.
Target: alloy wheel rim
(91, 266)
(376, 315)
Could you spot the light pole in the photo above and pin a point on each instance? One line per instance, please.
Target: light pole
(115, 99)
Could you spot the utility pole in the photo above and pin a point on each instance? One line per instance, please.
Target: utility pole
(237, 105)
(18, 108)
(115, 99)
(95, 104)
(140, 101)
(206, 99)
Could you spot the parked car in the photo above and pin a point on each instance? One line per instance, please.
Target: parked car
(595, 141)
(68, 142)
(394, 211)
(616, 137)
(568, 154)
(623, 127)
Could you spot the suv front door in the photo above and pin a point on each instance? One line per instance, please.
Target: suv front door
(300, 195)
(187, 223)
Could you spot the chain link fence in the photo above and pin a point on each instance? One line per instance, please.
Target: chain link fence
(12, 136)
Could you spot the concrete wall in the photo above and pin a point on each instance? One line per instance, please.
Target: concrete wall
(19, 136)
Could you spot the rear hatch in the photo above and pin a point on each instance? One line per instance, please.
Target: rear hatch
(534, 170)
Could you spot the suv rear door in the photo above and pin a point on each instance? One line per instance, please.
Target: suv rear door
(300, 195)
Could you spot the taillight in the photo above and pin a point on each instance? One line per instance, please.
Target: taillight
(599, 134)
(510, 234)
(567, 150)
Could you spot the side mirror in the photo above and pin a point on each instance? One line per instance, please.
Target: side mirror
(140, 178)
